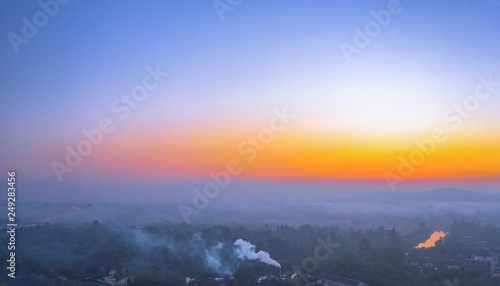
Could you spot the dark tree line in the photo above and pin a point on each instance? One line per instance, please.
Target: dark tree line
(168, 253)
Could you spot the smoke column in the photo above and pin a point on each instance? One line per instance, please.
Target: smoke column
(247, 250)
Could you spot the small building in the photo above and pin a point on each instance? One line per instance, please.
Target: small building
(484, 265)
(435, 259)
(424, 260)
(334, 280)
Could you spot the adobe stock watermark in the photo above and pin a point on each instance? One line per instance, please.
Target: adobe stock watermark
(30, 28)
(120, 107)
(363, 37)
(223, 6)
(310, 264)
(426, 147)
(249, 148)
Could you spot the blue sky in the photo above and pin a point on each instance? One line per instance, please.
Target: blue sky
(229, 74)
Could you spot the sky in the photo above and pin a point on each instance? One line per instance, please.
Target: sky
(363, 95)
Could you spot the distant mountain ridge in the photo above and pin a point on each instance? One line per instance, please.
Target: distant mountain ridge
(442, 194)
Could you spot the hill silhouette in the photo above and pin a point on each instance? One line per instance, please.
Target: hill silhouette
(441, 194)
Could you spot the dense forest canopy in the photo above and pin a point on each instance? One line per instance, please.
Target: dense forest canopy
(169, 253)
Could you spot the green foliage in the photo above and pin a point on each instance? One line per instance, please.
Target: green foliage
(169, 254)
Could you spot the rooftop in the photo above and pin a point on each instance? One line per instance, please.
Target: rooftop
(339, 279)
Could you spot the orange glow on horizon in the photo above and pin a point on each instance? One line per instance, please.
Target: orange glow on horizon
(293, 154)
(431, 242)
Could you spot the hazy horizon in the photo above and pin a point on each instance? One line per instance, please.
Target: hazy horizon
(359, 97)
(239, 190)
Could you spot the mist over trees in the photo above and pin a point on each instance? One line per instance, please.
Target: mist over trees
(168, 253)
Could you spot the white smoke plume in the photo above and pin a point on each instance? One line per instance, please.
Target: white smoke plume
(247, 250)
(215, 261)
